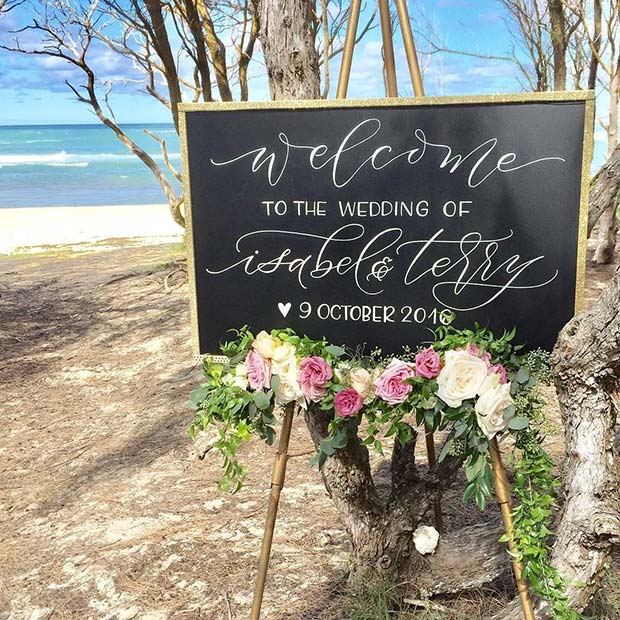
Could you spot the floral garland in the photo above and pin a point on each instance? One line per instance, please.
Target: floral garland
(466, 382)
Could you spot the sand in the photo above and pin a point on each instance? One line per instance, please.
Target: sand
(37, 228)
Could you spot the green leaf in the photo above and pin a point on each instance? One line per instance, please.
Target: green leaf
(198, 395)
(341, 438)
(327, 446)
(268, 418)
(518, 423)
(335, 350)
(270, 435)
(523, 376)
(261, 400)
(470, 489)
(445, 451)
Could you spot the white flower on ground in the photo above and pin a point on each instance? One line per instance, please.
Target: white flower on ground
(460, 378)
(425, 539)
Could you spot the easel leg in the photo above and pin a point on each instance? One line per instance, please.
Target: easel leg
(277, 482)
(502, 491)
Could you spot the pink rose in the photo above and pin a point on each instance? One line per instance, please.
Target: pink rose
(427, 363)
(259, 371)
(314, 374)
(390, 387)
(501, 371)
(474, 349)
(348, 402)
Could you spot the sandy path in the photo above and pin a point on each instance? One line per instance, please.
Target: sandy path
(105, 511)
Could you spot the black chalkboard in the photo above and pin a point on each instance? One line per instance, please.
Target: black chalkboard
(369, 222)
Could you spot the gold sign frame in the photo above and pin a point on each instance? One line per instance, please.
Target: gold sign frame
(545, 97)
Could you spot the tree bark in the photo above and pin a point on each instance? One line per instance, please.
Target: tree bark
(606, 238)
(380, 525)
(605, 189)
(586, 363)
(287, 36)
(558, 42)
(608, 226)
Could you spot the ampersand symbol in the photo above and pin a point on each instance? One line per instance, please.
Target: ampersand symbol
(380, 269)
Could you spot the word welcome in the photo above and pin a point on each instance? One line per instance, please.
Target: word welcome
(359, 151)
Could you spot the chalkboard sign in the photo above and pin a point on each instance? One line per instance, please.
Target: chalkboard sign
(373, 222)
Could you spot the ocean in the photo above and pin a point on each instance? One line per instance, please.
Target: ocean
(79, 165)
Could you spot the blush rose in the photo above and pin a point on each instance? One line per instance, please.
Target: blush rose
(348, 402)
(258, 371)
(390, 387)
(427, 363)
(314, 375)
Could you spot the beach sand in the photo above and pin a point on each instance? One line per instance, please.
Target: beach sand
(37, 228)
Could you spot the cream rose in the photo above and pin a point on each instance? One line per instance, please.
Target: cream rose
(283, 359)
(425, 539)
(362, 382)
(264, 344)
(288, 390)
(460, 378)
(490, 409)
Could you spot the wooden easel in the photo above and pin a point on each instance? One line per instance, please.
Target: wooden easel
(502, 487)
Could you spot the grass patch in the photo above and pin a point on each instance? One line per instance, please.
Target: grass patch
(381, 600)
(606, 602)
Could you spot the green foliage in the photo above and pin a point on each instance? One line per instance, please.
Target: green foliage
(535, 494)
(225, 401)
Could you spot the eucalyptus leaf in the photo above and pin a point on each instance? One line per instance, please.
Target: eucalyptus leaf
(261, 400)
(335, 350)
(518, 424)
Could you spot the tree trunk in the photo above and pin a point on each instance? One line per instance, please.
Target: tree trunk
(380, 524)
(287, 37)
(558, 42)
(608, 226)
(606, 238)
(605, 189)
(586, 363)
(587, 366)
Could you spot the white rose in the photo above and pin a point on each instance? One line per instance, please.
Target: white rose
(490, 409)
(460, 378)
(362, 381)
(288, 390)
(240, 378)
(264, 344)
(491, 381)
(425, 539)
(283, 359)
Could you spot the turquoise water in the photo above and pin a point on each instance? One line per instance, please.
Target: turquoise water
(70, 165)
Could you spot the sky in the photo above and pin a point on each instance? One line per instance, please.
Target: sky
(32, 88)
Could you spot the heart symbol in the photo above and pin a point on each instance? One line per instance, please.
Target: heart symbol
(284, 308)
